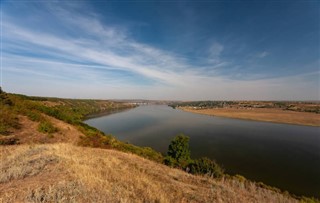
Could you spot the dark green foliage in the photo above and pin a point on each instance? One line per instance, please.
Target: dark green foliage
(47, 127)
(206, 166)
(4, 99)
(179, 151)
(8, 120)
(179, 156)
(169, 161)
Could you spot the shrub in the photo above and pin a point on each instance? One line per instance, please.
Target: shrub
(47, 127)
(179, 152)
(206, 166)
(8, 120)
(169, 161)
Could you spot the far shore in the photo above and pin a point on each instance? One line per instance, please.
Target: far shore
(262, 114)
(107, 112)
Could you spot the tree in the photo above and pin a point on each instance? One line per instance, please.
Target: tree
(178, 154)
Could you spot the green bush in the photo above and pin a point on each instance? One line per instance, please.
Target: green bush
(169, 161)
(47, 127)
(179, 153)
(206, 166)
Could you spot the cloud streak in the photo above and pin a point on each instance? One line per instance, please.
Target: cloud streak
(91, 52)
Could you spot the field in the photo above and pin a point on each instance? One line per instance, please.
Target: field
(262, 114)
(67, 173)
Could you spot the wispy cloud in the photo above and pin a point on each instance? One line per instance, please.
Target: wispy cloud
(214, 52)
(83, 51)
(262, 54)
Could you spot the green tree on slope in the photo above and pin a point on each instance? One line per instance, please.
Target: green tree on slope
(178, 154)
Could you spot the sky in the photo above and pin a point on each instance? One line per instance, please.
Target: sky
(167, 50)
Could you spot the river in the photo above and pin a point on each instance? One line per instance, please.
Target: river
(280, 155)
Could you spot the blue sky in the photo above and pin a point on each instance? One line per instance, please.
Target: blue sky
(182, 50)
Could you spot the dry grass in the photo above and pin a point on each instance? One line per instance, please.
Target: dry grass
(66, 173)
(28, 132)
(259, 114)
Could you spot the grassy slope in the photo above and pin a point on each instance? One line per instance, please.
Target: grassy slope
(66, 173)
(62, 121)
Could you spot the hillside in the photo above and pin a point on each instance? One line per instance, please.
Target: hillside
(67, 173)
(48, 155)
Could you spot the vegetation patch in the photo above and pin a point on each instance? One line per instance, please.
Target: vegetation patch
(47, 127)
(179, 156)
(8, 119)
(206, 166)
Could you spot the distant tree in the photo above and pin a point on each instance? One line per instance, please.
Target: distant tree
(178, 154)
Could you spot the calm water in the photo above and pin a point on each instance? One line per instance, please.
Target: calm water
(285, 156)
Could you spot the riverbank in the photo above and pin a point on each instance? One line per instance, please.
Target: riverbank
(30, 124)
(261, 114)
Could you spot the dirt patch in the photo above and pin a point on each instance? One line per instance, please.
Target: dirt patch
(269, 115)
(28, 132)
(67, 133)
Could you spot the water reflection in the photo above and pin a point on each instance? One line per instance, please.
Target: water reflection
(286, 156)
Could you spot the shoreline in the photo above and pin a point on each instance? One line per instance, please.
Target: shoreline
(264, 115)
(106, 112)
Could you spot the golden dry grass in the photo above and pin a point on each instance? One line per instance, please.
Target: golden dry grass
(259, 114)
(66, 173)
(28, 132)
